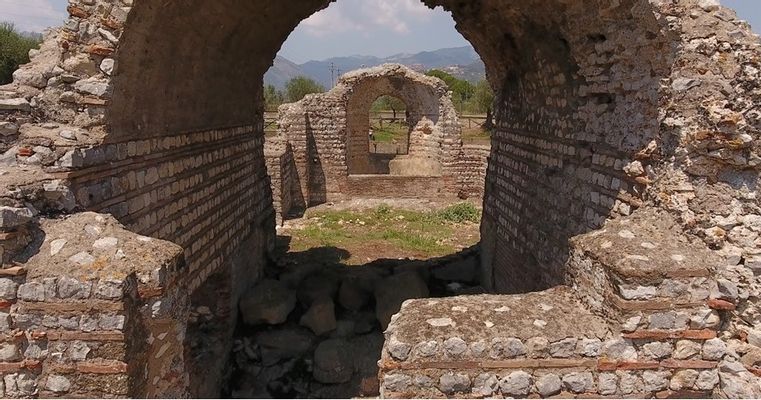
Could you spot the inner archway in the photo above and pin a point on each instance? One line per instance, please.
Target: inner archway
(389, 131)
(558, 128)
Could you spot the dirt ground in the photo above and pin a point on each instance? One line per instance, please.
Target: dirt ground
(360, 231)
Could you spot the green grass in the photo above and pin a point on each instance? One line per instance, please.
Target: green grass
(427, 234)
(390, 132)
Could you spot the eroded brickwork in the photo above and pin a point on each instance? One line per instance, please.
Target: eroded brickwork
(605, 111)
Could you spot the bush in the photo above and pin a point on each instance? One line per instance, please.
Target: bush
(301, 86)
(461, 212)
(14, 51)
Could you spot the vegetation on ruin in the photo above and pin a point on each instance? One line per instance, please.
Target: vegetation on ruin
(387, 230)
(467, 97)
(295, 90)
(14, 50)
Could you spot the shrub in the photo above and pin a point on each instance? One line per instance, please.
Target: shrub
(14, 50)
(461, 212)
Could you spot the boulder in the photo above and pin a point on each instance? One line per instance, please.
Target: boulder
(321, 316)
(317, 286)
(393, 291)
(269, 302)
(333, 362)
(291, 342)
(352, 296)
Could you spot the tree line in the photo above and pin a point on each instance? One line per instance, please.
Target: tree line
(14, 50)
(467, 97)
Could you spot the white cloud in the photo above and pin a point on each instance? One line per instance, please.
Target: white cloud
(33, 15)
(362, 16)
(331, 20)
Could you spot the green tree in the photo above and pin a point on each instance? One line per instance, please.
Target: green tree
(273, 98)
(389, 103)
(462, 90)
(301, 86)
(14, 50)
(482, 99)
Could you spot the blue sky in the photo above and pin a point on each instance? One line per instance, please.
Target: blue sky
(347, 27)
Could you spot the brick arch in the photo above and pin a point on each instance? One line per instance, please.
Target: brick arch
(426, 99)
(152, 112)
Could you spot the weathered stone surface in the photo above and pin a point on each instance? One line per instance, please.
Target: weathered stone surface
(619, 349)
(485, 385)
(454, 383)
(714, 349)
(321, 317)
(578, 382)
(352, 296)
(683, 379)
(736, 382)
(333, 362)
(284, 343)
(8, 128)
(13, 217)
(15, 105)
(658, 350)
(506, 348)
(8, 289)
(268, 302)
(516, 384)
(58, 384)
(548, 385)
(315, 287)
(686, 349)
(394, 290)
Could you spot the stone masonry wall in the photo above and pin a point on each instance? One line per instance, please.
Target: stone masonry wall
(329, 137)
(605, 111)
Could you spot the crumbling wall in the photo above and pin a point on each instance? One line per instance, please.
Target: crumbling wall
(329, 136)
(154, 114)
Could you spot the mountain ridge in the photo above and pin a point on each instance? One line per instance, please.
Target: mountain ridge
(462, 62)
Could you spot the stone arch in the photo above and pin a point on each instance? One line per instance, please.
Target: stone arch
(426, 102)
(328, 134)
(152, 113)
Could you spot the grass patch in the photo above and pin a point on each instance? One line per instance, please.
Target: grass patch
(391, 131)
(390, 231)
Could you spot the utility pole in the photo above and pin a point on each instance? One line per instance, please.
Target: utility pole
(332, 74)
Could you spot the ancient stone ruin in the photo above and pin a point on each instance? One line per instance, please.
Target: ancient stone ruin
(620, 235)
(322, 151)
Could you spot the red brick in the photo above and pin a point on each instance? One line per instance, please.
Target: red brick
(682, 394)
(723, 305)
(105, 336)
(688, 364)
(78, 12)
(13, 271)
(100, 50)
(111, 367)
(7, 367)
(37, 335)
(704, 334)
(606, 365)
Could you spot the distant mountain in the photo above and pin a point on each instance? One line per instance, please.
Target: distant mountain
(281, 72)
(462, 62)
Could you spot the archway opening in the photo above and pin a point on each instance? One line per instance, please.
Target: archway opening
(574, 101)
(389, 132)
